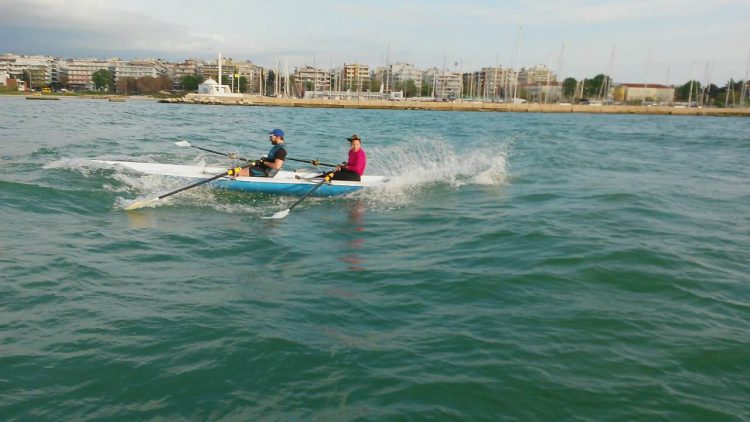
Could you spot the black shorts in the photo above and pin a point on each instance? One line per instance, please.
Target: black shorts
(344, 174)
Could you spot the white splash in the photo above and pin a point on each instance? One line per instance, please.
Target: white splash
(421, 163)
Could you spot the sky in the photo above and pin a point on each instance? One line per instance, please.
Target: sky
(654, 41)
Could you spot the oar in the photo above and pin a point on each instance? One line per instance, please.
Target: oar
(230, 172)
(283, 213)
(188, 144)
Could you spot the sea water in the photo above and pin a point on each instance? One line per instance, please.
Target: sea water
(516, 266)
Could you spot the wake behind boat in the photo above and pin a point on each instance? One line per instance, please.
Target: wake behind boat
(284, 183)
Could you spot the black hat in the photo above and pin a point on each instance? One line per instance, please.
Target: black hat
(354, 137)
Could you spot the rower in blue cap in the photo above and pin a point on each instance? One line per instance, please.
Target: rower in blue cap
(269, 165)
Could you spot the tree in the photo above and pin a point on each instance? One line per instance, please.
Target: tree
(26, 77)
(569, 87)
(191, 82)
(682, 93)
(594, 88)
(125, 86)
(102, 79)
(410, 89)
(426, 89)
(165, 83)
(147, 85)
(270, 83)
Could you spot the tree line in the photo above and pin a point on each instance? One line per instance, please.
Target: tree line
(103, 80)
(711, 94)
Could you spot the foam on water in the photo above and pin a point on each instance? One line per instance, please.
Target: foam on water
(424, 162)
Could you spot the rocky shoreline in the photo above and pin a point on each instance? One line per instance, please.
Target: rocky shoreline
(257, 100)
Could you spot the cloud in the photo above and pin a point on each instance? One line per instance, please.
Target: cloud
(91, 25)
(475, 33)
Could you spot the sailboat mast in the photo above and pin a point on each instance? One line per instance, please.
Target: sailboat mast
(743, 92)
(609, 72)
(559, 70)
(388, 71)
(690, 95)
(518, 64)
(220, 71)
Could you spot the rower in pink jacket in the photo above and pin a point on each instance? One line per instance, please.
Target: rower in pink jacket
(354, 167)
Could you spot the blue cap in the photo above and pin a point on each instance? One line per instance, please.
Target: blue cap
(277, 132)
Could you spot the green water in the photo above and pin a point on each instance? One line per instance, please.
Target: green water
(516, 267)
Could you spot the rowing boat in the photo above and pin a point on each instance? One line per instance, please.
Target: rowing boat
(284, 183)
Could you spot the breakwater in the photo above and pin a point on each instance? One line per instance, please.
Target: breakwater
(257, 100)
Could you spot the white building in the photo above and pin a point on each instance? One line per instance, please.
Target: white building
(211, 87)
(39, 69)
(135, 69)
(399, 73)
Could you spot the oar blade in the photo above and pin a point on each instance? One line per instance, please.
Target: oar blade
(140, 204)
(279, 215)
(183, 144)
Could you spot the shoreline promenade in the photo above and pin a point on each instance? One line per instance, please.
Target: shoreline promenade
(257, 100)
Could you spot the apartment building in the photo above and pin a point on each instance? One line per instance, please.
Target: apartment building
(313, 79)
(253, 75)
(536, 75)
(136, 69)
(177, 71)
(495, 82)
(40, 70)
(78, 72)
(355, 77)
(443, 84)
(397, 74)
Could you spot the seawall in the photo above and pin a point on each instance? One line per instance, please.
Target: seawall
(257, 100)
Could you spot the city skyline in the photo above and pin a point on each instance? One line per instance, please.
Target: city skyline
(661, 41)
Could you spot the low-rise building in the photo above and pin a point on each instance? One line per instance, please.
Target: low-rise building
(542, 92)
(211, 87)
(657, 93)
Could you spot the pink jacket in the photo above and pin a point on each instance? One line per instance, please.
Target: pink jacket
(357, 161)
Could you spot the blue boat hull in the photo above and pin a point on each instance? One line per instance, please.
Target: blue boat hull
(284, 188)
